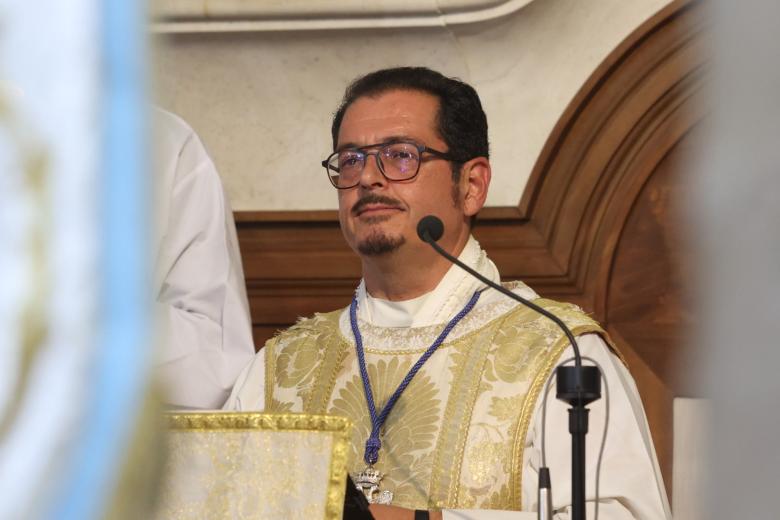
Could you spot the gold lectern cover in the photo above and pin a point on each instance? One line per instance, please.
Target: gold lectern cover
(253, 465)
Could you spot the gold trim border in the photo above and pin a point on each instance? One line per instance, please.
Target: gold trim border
(338, 427)
(531, 398)
(269, 351)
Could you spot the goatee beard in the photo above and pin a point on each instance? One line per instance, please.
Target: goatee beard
(379, 244)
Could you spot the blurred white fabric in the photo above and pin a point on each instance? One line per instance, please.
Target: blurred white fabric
(201, 294)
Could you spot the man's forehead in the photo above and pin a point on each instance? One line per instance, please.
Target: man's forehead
(388, 115)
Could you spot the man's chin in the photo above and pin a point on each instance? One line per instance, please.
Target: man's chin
(378, 244)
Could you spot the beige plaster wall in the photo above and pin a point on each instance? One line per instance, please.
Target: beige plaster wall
(262, 99)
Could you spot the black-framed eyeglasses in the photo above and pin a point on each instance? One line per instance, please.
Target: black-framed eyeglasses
(397, 160)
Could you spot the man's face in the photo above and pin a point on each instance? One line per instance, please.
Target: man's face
(380, 216)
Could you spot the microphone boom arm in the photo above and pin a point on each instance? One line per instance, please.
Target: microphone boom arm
(426, 237)
(577, 385)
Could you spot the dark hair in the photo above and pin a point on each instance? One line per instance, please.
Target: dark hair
(461, 122)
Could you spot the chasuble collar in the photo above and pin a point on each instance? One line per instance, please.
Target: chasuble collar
(437, 306)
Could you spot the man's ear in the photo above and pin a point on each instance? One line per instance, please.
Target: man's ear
(474, 184)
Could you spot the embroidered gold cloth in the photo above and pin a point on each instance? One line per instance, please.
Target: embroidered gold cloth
(254, 466)
(455, 438)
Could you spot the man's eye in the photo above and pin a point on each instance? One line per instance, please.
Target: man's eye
(401, 155)
(349, 161)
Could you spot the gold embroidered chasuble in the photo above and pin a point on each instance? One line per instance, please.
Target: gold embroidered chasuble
(455, 438)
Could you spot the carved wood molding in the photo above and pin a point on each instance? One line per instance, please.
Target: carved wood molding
(177, 16)
(635, 107)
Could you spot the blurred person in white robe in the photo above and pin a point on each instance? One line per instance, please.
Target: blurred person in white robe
(202, 306)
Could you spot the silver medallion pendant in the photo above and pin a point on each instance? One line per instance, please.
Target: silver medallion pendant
(367, 481)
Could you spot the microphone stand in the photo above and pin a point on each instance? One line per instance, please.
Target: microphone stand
(578, 394)
(578, 385)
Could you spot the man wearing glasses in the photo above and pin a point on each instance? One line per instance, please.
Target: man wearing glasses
(442, 377)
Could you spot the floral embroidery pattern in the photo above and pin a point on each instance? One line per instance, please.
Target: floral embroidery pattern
(409, 433)
(456, 435)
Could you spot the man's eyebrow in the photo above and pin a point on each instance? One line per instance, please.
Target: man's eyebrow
(387, 140)
(347, 146)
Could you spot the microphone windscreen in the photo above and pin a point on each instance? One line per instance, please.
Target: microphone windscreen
(430, 226)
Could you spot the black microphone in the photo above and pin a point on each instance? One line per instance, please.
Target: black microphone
(578, 385)
(430, 228)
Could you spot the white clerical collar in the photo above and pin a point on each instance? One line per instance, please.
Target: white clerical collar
(437, 306)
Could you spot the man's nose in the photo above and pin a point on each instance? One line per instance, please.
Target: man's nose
(372, 176)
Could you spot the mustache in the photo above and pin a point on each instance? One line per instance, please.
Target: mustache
(373, 198)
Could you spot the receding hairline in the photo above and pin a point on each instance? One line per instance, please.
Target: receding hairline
(392, 89)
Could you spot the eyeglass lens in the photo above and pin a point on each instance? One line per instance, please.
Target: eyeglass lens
(397, 161)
